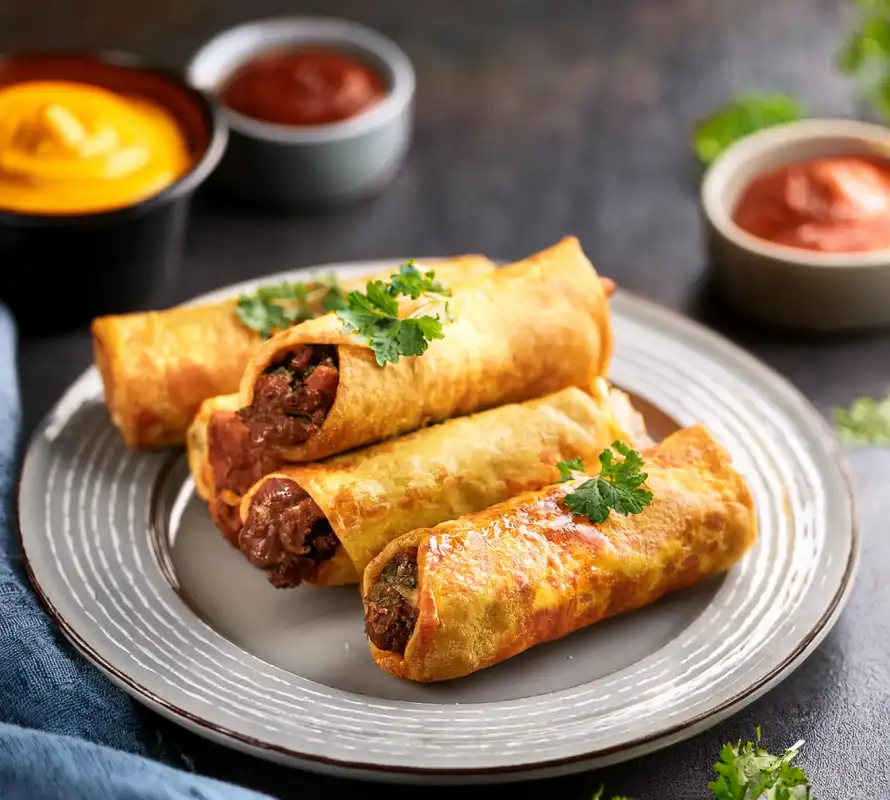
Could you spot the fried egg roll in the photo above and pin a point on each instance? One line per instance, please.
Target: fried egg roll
(196, 441)
(526, 330)
(444, 602)
(158, 367)
(324, 522)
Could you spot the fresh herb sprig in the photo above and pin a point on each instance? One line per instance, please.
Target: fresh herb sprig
(746, 114)
(374, 314)
(275, 308)
(865, 422)
(865, 54)
(748, 772)
(618, 487)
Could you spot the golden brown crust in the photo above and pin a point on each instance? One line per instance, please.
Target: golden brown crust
(527, 330)
(373, 495)
(196, 441)
(527, 571)
(158, 367)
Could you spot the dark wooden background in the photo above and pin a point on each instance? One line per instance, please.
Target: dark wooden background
(535, 120)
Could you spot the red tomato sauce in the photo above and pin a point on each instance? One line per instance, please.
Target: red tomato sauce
(833, 205)
(306, 87)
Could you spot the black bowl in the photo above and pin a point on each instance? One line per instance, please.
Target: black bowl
(61, 270)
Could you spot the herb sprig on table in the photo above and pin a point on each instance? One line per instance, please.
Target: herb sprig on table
(276, 308)
(866, 52)
(747, 113)
(618, 487)
(748, 772)
(865, 422)
(374, 314)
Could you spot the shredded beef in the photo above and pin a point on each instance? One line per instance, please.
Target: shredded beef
(237, 461)
(292, 398)
(286, 533)
(390, 613)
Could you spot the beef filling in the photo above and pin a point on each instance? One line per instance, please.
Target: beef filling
(390, 607)
(292, 398)
(237, 461)
(286, 533)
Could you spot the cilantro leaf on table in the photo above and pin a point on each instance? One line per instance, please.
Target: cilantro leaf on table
(618, 487)
(748, 772)
(865, 54)
(599, 795)
(374, 314)
(745, 114)
(865, 422)
(274, 308)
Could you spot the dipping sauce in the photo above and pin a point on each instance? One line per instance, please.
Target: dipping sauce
(833, 205)
(68, 148)
(306, 87)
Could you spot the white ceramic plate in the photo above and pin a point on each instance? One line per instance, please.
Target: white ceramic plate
(131, 568)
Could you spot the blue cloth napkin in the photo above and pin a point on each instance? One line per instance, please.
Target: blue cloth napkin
(65, 731)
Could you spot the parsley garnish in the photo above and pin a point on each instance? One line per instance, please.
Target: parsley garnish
(866, 53)
(374, 314)
(866, 421)
(746, 114)
(617, 487)
(566, 468)
(750, 773)
(275, 308)
(599, 795)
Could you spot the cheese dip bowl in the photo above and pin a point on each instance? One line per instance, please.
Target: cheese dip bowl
(100, 155)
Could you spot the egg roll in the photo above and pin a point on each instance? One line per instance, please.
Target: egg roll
(323, 523)
(444, 602)
(158, 367)
(196, 441)
(526, 330)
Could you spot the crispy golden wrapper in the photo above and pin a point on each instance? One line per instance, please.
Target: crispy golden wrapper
(529, 329)
(158, 367)
(527, 571)
(371, 496)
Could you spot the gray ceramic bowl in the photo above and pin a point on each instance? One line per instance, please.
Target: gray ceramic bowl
(786, 286)
(313, 166)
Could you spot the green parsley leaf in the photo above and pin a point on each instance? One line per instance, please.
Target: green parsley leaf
(744, 115)
(617, 487)
(599, 795)
(335, 299)
(748, 772)
(274, 308)
(865, 54)
(374, 315)
(566, 468)
(865, 422)
(411, 282)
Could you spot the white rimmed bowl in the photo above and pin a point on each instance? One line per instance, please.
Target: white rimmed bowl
(786, 286)
(310, 166)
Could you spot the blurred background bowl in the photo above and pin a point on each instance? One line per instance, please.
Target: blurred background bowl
(784, 286)
(62, 270)
(319, 166)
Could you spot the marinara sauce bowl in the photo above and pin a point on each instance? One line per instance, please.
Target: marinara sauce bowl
(780, 285)
(62, 269)
(294, 167)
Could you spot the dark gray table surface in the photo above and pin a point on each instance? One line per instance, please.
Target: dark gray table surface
(534, 120)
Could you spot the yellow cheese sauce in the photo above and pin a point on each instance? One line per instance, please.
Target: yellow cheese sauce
(70, 148)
